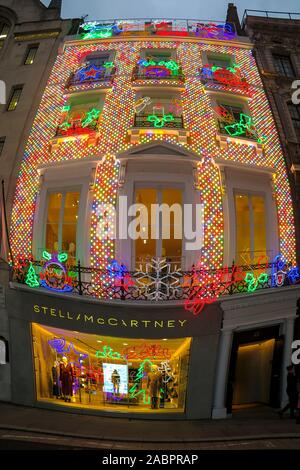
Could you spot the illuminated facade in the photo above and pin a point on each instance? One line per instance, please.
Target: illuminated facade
(157, 111)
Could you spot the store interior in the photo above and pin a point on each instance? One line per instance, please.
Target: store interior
(119, 374)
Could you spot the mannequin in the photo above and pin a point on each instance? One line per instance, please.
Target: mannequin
(154, 384)
(66, 377)
(55, 380)
(116, 379)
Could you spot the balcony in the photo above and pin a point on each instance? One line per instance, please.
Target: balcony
(91, 77)
(84, 128)
(160, 73)
(165, 27)
(157, 280)
(236, 126)
(150, 124)
(224, 79)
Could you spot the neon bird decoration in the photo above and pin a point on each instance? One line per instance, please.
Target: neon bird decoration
(60, 346)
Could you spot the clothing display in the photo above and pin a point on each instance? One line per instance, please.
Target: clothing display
(116, 379)
(55, 382)
(154, 385)
(66, 378)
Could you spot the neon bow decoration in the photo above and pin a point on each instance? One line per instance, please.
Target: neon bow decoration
(54, 275)
(160, 121)
(106, 352)
(254, 282)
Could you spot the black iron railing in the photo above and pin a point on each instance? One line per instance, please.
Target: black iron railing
(76, 128)
(158, 281)
(105, 76)
(144, 122)
(141, 73)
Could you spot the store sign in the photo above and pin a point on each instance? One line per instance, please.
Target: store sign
(109, 321)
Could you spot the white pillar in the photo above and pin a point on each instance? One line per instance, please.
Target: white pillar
(219, 409)
(287, 355)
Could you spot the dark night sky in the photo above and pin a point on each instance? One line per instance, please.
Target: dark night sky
(196, 9)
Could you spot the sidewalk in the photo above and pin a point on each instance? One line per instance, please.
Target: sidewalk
(252, 423)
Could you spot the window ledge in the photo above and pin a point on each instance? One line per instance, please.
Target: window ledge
(90, 139)
(135, 134)
(224, 140)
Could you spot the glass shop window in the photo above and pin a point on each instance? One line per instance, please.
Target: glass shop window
(283, 65)
(168, 227)
(4, 31)
(61, 222)
(251, 239)
(109, 373)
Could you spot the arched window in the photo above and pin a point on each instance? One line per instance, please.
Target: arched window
(4, 31)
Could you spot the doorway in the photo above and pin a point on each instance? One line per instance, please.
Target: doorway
(255, 368)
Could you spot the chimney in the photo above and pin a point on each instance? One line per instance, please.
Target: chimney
(233, 18)
(55, 5)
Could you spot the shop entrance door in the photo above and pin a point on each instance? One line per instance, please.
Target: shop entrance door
(254, 374)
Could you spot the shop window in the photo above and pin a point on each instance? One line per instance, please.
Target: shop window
(251, 240)
(14, 98)
(61, 222)
(117, 374)
(160, 238)
(30, 55)
(283, 65)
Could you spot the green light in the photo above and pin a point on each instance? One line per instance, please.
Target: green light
(108, 65)
(160, 122)
(90, 117)
(47, 255)
(31, 278)
(62, 257)
(241, 127)
(253, 282)
(107, 351)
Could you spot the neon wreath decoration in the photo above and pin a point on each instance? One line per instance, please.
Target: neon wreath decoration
(54, 276)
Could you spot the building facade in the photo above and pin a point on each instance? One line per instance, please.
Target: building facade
(152, 112)
(30, 36)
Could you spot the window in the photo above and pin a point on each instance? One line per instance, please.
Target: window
(219, 60)
(110, 373)
(2, 142)
(15, 98)
(169, 242)
(283, 65)
(98, 60)
(295, 116)
(61, 222)
(30, 56)
(4, 31)
(251, 240)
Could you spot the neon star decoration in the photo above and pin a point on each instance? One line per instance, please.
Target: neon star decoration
(92, 72)
(160, 121)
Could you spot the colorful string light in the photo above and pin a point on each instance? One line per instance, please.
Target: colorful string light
(118, 118)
